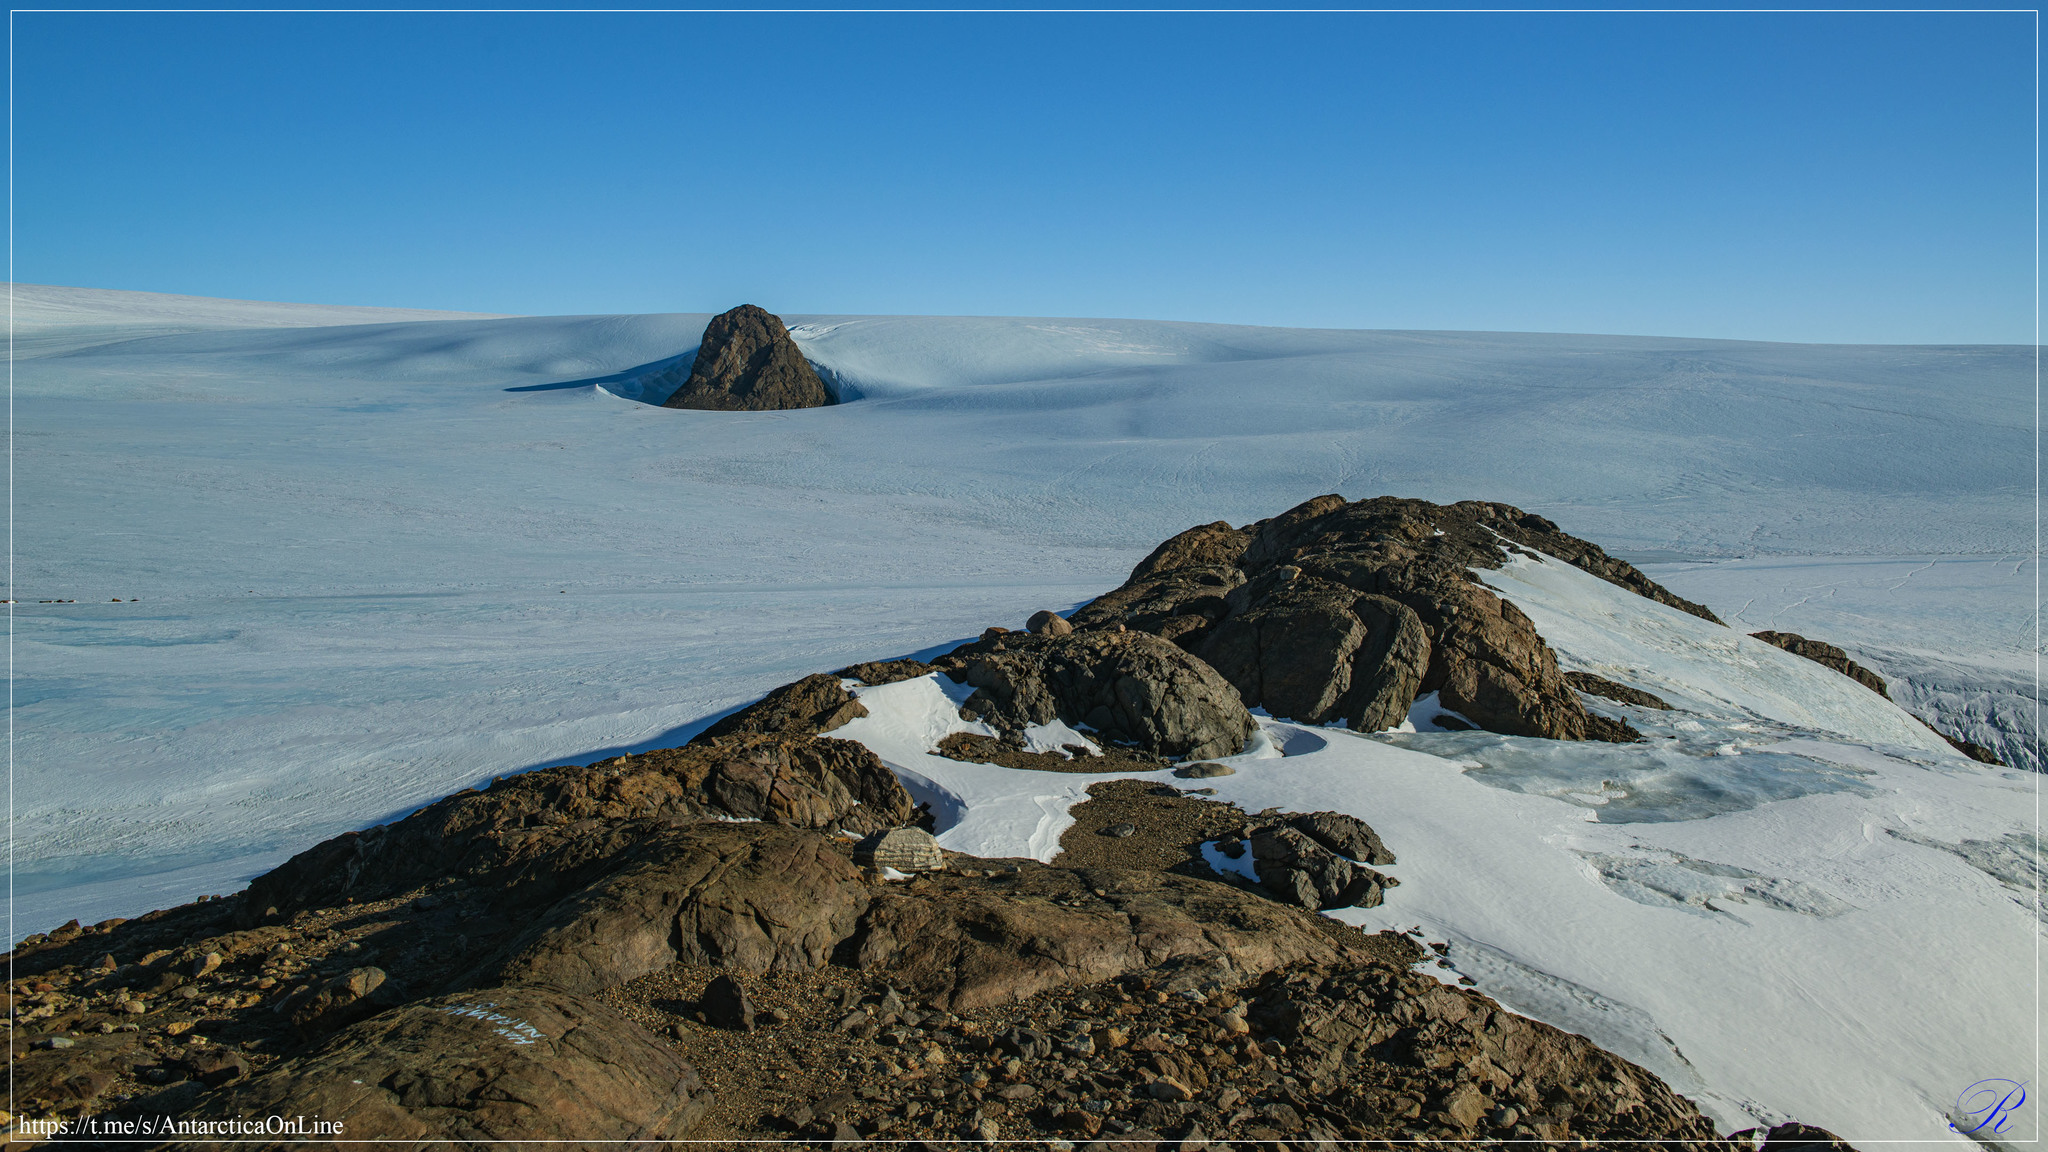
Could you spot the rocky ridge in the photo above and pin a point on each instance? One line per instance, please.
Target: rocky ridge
(681, 943)
(1349, 611)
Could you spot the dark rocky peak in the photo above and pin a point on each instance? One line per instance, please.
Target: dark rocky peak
(748, 363)
(1349, 610)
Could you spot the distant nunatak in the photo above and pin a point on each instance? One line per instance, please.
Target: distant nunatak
(747, 363)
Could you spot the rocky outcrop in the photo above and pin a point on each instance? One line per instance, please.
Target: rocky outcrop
(1132, 687)
(1506, 1074)
(886, 671)
(747, 363)
(1316, 651)
(748, 897)
(812, 706)
(1299, 870)
(563, 826)
(1347, 836)
(1041, 928)
(1827, 655)
(1601, 686)
(1970, 748)
(1348, 611)
(521, 1063)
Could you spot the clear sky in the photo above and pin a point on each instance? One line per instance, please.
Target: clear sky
(1817, 177)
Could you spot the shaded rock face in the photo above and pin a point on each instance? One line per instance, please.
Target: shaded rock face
(1827, 655)
(1556, 1083)
(748, 363)
(512, 1063)
(1132, 687)
(1348, 611)
(804, 781)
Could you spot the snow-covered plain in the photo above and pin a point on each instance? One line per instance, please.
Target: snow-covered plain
(364, 559)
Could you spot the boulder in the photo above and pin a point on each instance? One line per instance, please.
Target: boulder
(1298, 870)
(511, 1063)
(1316, 651)
(1345, 835)
(1180, 605)
(341, 1000)
(904, 849)
(1823, 653)
(725, 1004)
(1048, 623)
(1132, 687)
(1203, 546)
(747, 363)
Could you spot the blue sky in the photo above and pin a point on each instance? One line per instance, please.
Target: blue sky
(1822, 177)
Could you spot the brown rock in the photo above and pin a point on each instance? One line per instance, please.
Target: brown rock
(1203, 546)
(214, 1067)
(904, 849)
(813, 705)
(748, 363)
(1345, 835)
(1048, 623)
(749, 897)
(1335, 1023)
(341, 1000)
(1180, 605)
(1349, 611)
(973, 947)
(1316, 651)
(1132, 687)
(1601, 686)
(513, 1063)
(1297, 870)
(498, 833)
(726, 1004)
(1784, 1137)
(1970, 748)
(1827, 655)
(885, 671)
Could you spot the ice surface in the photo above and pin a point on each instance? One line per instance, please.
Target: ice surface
(1954, 636)
(364, 559)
